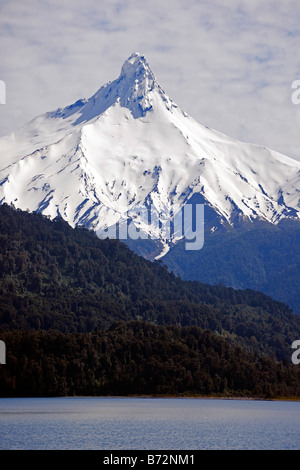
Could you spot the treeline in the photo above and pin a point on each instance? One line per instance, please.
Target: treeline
(56, 277)
(139, 358)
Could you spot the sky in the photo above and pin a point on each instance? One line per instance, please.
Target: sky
(228, 64)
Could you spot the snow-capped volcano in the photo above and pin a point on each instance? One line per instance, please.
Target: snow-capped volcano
(129, 147)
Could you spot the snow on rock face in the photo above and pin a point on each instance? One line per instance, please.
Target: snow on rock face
(129, 146)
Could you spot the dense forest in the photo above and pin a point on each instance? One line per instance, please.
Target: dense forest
(65, 294)
(140, 358)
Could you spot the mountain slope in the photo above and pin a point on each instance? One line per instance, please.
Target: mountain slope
(56, 277)
(260, 256)
(129, 148)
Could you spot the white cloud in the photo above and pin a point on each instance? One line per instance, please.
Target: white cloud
(229, 64)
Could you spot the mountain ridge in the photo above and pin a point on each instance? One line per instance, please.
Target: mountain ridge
(106, 160)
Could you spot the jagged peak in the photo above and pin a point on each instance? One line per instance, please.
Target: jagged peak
(137, 68)
(135, 83)
(132, 89)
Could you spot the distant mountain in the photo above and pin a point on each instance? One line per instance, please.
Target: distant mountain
(129, 148)
(257, 255)
(129, 156)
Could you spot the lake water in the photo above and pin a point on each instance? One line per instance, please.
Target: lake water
(147, 424)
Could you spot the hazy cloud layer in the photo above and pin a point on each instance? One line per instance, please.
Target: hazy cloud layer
(230, 65)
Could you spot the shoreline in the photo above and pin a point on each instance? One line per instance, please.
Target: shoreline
(180, 397)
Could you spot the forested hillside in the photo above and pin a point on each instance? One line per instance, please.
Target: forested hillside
(139, 358)
(64, 286)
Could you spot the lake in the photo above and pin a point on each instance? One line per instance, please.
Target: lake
(148, 424)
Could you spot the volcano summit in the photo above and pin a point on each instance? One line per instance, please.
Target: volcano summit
(130, 147)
